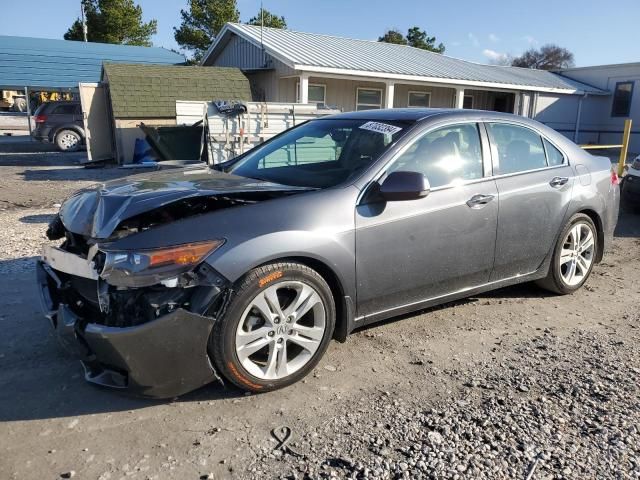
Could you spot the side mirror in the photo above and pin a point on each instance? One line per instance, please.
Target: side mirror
(404, 186)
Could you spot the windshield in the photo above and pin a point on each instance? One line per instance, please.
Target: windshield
(321, 153)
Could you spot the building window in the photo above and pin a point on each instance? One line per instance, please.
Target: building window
(622, 99)
(317, 93)
(419, 99)
(468, 102)
(368, 98)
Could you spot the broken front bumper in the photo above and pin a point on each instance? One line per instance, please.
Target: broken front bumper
(162, 358)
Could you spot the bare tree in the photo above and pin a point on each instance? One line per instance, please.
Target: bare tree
(548, 57)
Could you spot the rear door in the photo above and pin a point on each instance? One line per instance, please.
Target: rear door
(416, 250)
(534, 183)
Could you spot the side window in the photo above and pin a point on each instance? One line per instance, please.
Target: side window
(554, 156)
(445, 156)
(519, 148)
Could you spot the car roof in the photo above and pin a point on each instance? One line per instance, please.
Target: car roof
(63, 102)
(391, 114)
(420, 114)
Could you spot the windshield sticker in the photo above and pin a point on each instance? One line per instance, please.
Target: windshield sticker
(380, 128)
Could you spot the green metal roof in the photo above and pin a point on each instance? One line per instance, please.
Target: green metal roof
(151, 91)
(61, 64)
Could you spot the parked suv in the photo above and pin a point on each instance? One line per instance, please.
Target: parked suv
(631, 186)
(60, 122)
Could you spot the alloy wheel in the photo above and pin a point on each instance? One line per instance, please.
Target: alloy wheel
(69, 141)
(576, 256)
(281, 330)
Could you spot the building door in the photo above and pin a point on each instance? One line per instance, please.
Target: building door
(97, 122)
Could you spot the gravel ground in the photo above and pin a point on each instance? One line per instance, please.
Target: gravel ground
(22, 238)
(515, 383)
(36, 175)
(554, 407)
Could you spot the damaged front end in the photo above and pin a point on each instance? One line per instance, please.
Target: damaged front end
(140, 318)
(146, 334)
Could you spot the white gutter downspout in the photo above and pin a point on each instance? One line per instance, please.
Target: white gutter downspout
(578, 115)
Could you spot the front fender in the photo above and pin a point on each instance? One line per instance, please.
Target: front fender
(335, 250)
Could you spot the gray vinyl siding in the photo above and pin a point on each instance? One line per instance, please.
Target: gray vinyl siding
(262, 69)
(242, 54)
(440, 97)
(342, 93)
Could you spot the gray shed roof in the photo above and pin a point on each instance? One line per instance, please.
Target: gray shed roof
(328, 54)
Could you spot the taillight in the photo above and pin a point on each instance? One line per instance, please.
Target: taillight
(614, 177)
(40, 118)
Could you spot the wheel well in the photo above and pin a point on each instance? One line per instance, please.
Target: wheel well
(595, 218)
(342, 309)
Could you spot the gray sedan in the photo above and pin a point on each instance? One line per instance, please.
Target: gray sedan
(244, 272)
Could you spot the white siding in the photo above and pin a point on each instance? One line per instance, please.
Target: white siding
(558, 112)
(597, 125)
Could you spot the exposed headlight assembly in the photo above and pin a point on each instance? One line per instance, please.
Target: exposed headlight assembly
(148, 267)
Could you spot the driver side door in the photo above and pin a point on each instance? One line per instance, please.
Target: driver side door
(412, 251)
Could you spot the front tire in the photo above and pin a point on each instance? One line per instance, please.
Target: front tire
(68, 140)
(276, 328)
(573, 257)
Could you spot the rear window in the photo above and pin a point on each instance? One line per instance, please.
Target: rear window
(41, 109)
(65, 109)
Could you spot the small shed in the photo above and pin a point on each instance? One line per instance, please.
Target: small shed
(148, 93)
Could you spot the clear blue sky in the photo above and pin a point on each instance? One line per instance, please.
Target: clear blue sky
(476, 30)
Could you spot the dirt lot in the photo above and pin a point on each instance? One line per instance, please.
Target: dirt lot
(512, 384)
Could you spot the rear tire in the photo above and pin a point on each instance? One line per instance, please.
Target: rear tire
(276, 328)
(573, 256)
(68, 140)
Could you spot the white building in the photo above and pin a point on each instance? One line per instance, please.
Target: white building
(288, 66)
(599, 119)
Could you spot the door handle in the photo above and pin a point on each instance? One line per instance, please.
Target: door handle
(479, 201)
(558, 181)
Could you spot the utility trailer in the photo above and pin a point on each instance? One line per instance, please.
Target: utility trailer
(227, 136)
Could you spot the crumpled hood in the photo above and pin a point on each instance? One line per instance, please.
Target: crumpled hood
(97, 211)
